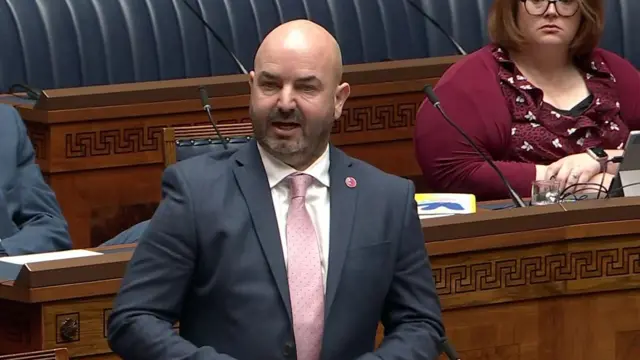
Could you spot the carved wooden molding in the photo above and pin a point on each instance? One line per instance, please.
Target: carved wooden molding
(79, 325)
(398, 113)
(38, 135)
(113, 141)
(534, 270)
(376, 117)
(67, 328)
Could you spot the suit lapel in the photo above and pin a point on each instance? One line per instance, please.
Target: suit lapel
(343, 206)
(252, 180)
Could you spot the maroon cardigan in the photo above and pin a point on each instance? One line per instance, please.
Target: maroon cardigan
(472, 95)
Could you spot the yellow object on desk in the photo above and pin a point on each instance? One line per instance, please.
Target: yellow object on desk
(443, 204)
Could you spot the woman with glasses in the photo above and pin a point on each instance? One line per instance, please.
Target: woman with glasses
(535, 100)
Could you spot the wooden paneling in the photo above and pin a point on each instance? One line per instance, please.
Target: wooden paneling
(20, 325)
(586, 327)
(547, 286)
(55, 354)
(568, 300)
(100, 147)
(88, 335)
(569, 268)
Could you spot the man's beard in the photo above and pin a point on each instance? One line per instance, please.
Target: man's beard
(292, 151)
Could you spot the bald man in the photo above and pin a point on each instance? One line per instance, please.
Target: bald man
(288, 250)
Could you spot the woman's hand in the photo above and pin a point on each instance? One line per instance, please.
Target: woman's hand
(573, 169)
(593, 185)
(598, 179)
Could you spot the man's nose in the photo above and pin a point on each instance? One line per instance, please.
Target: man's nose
(286, 102)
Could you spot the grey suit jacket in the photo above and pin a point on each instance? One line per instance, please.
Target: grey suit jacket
(30, 217)
(212, 259)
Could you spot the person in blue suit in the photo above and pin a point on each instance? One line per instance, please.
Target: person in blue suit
(290, 249)
(30, 218)
(128, 236)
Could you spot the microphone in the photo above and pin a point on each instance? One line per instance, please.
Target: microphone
(32, 93)
(204, 98)
(517, 200)
(215, 35)
(448, 349)
(436, 24)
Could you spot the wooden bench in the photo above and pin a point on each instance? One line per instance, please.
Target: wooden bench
(55, 354)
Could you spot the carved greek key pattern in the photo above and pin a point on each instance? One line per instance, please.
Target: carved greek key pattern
(143, 139)
(405, 116)
(526, 271)
(373, 118)
(38, 136)
(113, 142)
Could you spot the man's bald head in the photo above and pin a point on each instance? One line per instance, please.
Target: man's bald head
(296, 94)
(302, 37)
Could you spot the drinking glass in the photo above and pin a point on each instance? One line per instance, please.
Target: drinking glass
(545, 192)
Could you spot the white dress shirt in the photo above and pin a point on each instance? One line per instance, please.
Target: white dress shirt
(317, 200)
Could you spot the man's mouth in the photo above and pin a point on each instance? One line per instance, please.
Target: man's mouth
(285, 125)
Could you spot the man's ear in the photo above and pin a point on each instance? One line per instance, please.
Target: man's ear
(342, 94)
(252, 77)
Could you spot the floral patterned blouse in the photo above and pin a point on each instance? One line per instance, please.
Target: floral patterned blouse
(542, 134)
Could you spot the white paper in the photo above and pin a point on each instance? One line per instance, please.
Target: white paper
(57, 255)
(431, 216)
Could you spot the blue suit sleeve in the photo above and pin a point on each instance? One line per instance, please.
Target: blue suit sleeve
(412, 315)
(32, 205)
(156, 281)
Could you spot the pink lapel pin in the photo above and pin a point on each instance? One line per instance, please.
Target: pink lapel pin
(351, 182)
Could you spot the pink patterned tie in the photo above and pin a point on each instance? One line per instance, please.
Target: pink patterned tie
(304, 273)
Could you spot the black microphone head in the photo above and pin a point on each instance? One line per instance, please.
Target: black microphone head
(431, 95)
(204, 96)
(448, 349)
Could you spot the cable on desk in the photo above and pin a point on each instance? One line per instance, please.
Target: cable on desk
(566, 193)
(620, 188)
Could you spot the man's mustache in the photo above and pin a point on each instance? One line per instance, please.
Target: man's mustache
(295, 117)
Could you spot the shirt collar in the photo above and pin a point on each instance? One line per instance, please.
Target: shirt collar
(277, 170)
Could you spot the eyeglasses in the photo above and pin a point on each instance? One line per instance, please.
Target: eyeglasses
(564, 8)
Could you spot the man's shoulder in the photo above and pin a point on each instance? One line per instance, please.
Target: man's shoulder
(6, 109)
(13, 141)
(206, 167)
(9, 119)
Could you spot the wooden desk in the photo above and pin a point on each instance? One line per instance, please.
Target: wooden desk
(559, 282)
(552, 282)
(101, 149)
